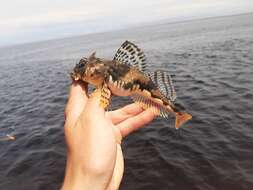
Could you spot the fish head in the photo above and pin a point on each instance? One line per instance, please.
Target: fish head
(79, 69)
(90, 70)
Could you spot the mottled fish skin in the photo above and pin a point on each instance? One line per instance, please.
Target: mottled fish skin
(124, 79)
(134, 82)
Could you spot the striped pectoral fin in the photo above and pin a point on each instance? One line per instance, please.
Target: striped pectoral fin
(105, 98)
(181, 118)
(104, 94)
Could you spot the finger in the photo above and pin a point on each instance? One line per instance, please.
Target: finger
(94, 121)
(93, 108)
(76, 102)
(124, 113)
(128, 126)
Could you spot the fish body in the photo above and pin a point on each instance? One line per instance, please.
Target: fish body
(126, 75)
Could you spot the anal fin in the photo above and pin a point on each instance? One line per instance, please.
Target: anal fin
(147, 103)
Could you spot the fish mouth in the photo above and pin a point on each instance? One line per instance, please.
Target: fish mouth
(74, 76)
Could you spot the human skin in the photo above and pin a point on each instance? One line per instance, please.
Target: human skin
(93, 137)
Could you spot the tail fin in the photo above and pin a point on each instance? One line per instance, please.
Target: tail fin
(181, 118)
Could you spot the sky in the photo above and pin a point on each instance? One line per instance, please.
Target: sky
(36, 20)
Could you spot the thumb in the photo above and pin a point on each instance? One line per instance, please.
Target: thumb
(93, 108)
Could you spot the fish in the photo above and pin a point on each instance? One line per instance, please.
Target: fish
(127, 75)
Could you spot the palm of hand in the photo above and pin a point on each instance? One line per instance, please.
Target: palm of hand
(93, 136)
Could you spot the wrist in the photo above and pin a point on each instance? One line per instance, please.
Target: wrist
(77, 178)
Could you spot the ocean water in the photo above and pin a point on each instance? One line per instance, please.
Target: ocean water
(212, 60)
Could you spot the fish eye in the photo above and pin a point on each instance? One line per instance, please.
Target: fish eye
(82, 62)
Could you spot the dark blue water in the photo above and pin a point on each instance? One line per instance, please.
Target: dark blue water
(212, 61)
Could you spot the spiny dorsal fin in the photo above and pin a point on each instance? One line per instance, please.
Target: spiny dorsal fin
(163, 81)
(130, 54)
(92, 56)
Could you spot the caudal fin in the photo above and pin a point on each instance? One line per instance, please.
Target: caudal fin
(181, 118)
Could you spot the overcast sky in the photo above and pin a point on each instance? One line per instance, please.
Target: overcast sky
(35, 20)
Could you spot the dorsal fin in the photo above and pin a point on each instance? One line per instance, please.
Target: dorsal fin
(130, 54)
(92, 56)
(163, 81)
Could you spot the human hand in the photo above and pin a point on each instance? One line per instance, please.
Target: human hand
(93, 137)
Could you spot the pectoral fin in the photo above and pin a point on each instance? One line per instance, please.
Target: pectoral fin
(181, 118)
(105, 98)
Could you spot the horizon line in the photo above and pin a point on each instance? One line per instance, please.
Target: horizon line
(144, 24)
